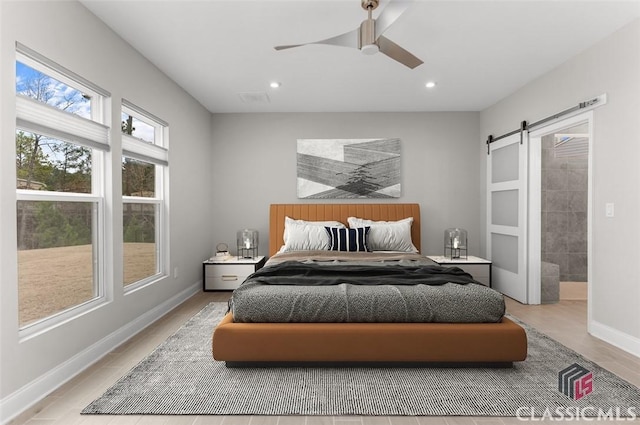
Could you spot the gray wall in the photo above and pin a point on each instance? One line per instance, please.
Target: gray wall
(67, 33)
(612, 66)
(254, 165)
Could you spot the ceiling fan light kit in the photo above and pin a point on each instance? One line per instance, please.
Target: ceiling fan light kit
(370, 49)
(368, 36)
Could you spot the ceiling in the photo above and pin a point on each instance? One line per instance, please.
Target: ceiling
(477, 52)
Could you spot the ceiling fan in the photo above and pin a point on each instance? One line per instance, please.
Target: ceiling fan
(368, 37)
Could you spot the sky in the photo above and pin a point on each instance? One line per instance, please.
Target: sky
(81, 106)
(28, 79)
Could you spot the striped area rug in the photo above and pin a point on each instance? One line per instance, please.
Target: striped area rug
(180, 378)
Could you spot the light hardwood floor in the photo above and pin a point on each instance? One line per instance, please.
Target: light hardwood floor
(565, 322)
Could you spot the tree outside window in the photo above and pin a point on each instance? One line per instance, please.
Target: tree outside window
(57, 209)
(143, 169)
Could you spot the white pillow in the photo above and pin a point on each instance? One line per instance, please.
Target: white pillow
(301, 235)
(387, 235)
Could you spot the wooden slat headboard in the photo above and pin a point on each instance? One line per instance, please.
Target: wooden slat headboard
(339, 212)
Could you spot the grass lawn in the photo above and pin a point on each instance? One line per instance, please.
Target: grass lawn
(54, 279)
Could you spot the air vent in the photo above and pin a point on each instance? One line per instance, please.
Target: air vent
(254, 97)
(571, 145)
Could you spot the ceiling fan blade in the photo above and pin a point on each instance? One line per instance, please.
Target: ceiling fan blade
(397, 53)
(390, 14)
(289, 46)
(348, 39)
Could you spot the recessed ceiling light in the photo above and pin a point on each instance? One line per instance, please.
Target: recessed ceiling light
(430, 84)
(274, 85)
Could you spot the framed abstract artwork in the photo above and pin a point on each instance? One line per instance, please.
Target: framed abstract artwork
(348, 168)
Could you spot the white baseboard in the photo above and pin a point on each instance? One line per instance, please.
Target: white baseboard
(613, 336)
(27, 396)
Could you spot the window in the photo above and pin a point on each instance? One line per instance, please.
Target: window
(144, 177)
(60, 153)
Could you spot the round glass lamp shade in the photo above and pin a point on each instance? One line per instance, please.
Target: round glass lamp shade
(455, 243)
(247, 240)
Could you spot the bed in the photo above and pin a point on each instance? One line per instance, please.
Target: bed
(487, 339)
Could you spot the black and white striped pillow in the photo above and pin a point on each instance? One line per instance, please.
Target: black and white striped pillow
(353, 240)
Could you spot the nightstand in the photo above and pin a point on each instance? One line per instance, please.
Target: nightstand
(477, 267)
(227, 273)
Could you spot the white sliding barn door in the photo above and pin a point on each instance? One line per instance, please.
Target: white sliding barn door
(507, 215)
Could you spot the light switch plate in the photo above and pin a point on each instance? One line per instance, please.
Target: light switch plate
(609, 211)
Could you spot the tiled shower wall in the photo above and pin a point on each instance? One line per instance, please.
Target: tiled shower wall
(564, 212)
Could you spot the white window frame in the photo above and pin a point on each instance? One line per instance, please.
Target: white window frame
(36, 117)
(156, 154)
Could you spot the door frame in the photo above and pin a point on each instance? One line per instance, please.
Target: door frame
(535, 205)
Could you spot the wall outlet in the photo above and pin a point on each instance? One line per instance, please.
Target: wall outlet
(175, 272)
(608, 209)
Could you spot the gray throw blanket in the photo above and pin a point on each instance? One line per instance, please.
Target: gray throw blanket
(311, 274)
(377, 292)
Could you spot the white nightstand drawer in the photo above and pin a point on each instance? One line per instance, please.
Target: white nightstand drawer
(477, 267)
(228, 282)
(228, 274)
(226, 270)
(476, 270)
